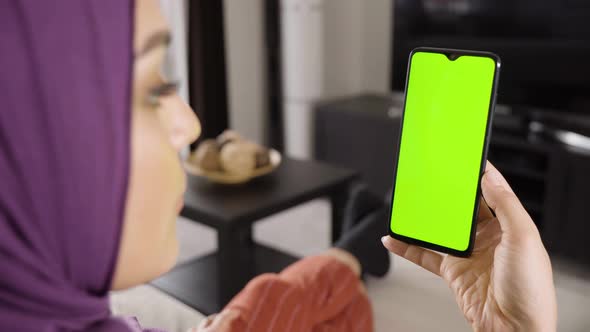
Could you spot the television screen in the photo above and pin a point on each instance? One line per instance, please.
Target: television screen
(544, 44)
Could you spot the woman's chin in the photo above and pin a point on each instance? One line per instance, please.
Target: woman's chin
(166, 259)
(171, 257)
(174, 255)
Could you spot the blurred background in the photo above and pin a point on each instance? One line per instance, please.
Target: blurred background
(323, 80)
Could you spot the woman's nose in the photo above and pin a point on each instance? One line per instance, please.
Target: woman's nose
(185, 126)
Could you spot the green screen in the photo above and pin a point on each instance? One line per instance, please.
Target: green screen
(442, 142)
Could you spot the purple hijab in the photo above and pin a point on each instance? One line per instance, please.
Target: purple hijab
(65, 84)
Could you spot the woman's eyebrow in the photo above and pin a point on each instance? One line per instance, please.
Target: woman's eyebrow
(158, 38)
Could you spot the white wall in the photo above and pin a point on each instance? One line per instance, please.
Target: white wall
(246, 67)
(302, 42)
(357, 46)
(376, 45)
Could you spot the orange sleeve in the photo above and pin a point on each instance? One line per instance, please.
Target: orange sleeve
(317, 293)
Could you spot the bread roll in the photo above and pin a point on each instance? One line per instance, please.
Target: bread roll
(207, 156)
(227, 137)
(238, 157)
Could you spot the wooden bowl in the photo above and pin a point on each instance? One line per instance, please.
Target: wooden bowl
(228, 178)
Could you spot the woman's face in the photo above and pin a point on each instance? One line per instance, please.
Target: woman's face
(162, 125)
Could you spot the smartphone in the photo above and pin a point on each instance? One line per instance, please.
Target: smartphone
(445, 129)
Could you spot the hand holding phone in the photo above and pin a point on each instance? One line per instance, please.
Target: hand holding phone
(507, 283)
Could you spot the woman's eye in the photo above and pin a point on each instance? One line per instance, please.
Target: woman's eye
(162, 90)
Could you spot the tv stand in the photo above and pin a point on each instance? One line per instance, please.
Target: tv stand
(551, 178)
(547, 163)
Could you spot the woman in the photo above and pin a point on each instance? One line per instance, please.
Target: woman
(92, 184)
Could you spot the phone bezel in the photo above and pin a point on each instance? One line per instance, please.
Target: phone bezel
(447, 51)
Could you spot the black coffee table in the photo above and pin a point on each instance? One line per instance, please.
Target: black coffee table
(209, 282)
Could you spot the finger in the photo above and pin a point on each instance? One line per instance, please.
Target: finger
(206, 322)
(511, 215)
(427, 259)
(223, 321)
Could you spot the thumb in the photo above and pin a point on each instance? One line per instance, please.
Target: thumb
(497, 193)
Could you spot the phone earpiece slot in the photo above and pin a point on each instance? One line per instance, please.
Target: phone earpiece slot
(453, 56)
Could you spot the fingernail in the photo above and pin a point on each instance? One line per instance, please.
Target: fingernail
(383, 239)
